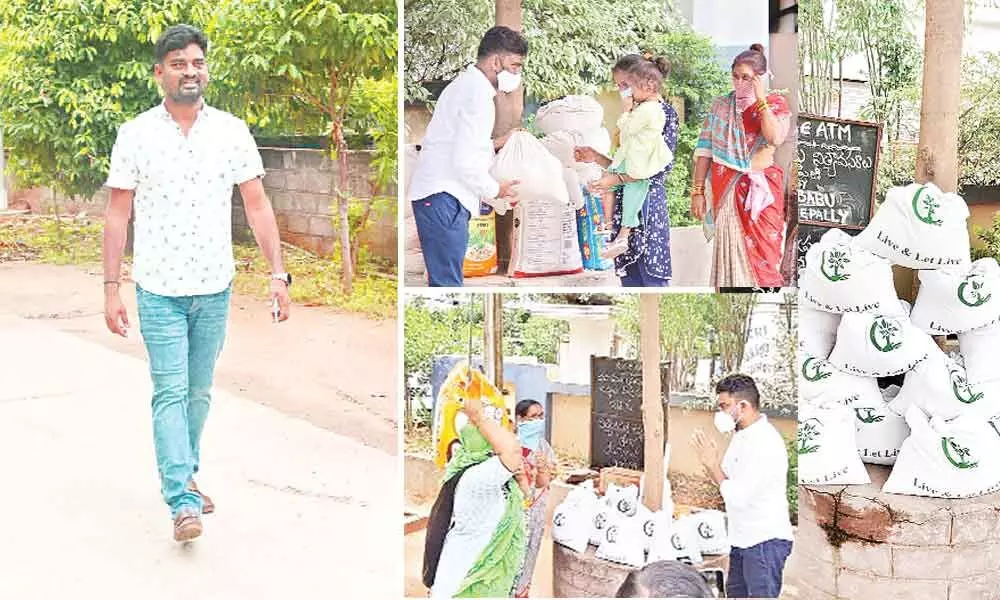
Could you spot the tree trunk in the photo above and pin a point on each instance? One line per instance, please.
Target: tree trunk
(343, 212)
(840, 91)
(652, 401)
(937, 151)
(509, 108)
(362, 224)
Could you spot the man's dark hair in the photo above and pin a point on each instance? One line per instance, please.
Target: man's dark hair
(502, 39)
(179, 37)
(741, 386)
(522, 407)
(665, 579)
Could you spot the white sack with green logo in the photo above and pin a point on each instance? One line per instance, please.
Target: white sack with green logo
(827, 448)
(879, 428)
(710, 527)
(959, 458)
(679, 540)
(822, 383)
(875, 345)
(939, 387)
(980, 349)
(624, 499)
(574, 518)
(840, 277)
(649, 520)
(958, 300)
(920, 227)
(817, 331)
(661, 547)
(624, 542)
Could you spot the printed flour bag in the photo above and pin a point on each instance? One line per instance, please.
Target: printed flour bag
(624, 499)
(822, 383)
(827, 446)
(939, 387)
(959, 458)
(880, 428)
(573, 519)
(481, 253)
(661, 546)
(920, 227)
(876, 345)
(979, 353)
(623, 543)
(545, 241)
(817, 331)
(569, 114)
(710, 525)
(840, 277)
(588, 219)
(958, 300)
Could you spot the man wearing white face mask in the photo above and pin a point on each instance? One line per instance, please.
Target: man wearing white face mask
(452, 175)
(752, 477)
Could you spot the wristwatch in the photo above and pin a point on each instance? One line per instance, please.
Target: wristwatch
(286, 277)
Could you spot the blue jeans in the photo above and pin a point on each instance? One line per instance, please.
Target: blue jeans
(637, 275)
(443, 228)
(183, 337)
(755, 572)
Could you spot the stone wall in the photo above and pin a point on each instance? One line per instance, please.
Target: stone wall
(854, 543)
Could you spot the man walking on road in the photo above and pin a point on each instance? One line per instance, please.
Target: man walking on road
(176, 164)
(452, 174)
(752, 477)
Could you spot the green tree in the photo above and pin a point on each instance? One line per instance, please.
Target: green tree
(979, 122)
(301, 61)
(70, 74)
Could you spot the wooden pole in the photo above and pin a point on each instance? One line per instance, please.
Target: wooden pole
(937, 150)
(493, 339)
(652, 403)
(509, 108)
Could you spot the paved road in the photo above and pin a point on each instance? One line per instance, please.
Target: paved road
(302, 512)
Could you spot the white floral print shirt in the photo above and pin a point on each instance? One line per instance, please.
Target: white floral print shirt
(183, 196)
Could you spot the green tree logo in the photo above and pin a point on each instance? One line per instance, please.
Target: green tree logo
(808, 431)
(600, 521)
(868, 415)
(959, 456)
(833, 264)
(648, 528)
(559, 520)
(675, 541)
(612, 534)
(817, 373)
(925, 205)
(884, 334)
(972, 292)
(705, 531)
(962, 390)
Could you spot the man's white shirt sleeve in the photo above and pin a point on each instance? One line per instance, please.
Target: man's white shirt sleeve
(246, 163)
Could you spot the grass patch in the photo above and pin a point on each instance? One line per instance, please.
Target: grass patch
(69, 241)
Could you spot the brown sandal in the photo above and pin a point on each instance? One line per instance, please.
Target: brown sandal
(207, 506)
(187, 526)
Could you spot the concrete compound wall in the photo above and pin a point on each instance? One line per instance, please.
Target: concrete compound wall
(854, 542)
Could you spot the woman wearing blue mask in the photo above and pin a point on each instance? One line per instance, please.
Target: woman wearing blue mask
(539, 462)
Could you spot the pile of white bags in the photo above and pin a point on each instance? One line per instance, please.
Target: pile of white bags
(627, 532)
(545, 239)
(940, 431)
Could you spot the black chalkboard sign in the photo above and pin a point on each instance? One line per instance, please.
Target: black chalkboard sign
(837, 163)
(616, 431)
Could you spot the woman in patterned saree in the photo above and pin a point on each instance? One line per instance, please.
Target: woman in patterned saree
(737, 144)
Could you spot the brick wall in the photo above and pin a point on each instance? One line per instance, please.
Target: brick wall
(854, 542)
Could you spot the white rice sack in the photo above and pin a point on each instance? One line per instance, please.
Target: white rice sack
(602, 518)
(662, 546)
(817, 331)
(572, 523)
(946, 459)
(827, 446)
(880, 430)
(822, 383)
(939, 387)
(710, 525)
(623, 498)
(624, 543)
(920, 227)
(561, 144)
(599, 139)
(525, 159)
(684, 539)
(958, 300)
(979, 349)
(875, 345)
(840, 277)
(572, 113)
(649, 520)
